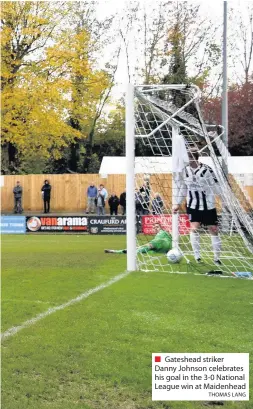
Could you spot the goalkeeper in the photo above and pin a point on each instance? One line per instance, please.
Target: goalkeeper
(161, 243)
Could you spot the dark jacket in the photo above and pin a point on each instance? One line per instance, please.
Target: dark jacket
(157, 205)
(113, 202)
(138, 201)
(144, 200)
(47, 191)
(146, 189)
(17, 192)
(122, 199)
(100, 199)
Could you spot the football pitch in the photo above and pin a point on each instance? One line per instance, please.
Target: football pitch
(94, 352)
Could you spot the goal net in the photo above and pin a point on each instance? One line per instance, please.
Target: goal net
(168, 127)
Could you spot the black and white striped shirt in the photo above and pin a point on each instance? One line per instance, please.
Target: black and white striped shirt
(199, 186)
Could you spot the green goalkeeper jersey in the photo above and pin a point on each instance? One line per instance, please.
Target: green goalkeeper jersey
(162, 242)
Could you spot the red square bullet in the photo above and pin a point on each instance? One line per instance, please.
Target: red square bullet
(157, 359)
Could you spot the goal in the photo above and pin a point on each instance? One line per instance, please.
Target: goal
(163, 125)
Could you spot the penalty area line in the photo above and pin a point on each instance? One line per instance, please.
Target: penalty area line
(13, 330)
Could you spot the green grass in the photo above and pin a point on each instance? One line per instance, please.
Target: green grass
(96, 354)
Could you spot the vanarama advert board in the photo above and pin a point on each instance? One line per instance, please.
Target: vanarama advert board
(71, 224)
(54, 224)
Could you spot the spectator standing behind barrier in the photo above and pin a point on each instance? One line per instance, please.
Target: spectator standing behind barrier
(92, 193)
(122, 202)
(100, 203)
(145, 188)
(103, 191)
(17, 191)
(138, 203)
(113, 204)
(46, 194)
(145, 191)
(157, 204)
(144, 199)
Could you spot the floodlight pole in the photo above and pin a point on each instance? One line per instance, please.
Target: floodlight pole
(130, 182)
(224, 110)
(224, 87)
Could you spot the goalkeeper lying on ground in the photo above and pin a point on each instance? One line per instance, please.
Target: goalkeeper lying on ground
(161, 243)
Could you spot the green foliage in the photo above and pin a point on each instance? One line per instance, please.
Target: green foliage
(110, 135)
(55, 85)
(177, 69)
(113, 126)
(94, 164)
(34, 164)
(42, 90)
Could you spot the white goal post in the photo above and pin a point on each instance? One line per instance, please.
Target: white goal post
(164, 120)
(130, 179)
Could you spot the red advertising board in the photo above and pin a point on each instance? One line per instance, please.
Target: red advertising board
(166, 223)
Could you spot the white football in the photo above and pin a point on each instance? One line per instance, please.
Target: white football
(174, 256)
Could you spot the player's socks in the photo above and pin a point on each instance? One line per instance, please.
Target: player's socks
(216, 243)
(194, 236)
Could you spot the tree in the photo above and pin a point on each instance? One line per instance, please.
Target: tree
(154, 32)
(33, 104)
(26, 28)
(90, 93)
(169, 42)
(127, 23)
(53, 91)
(240, 126)
(110, 139)
(177, 67)
(103, 98)
(241, 41)
(247, 38)
(94, 164)
(190, 51)
(241, 119)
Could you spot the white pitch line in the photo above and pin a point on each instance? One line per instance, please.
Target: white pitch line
(13, 330)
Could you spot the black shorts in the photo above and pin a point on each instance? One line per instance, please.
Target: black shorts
(205, 217)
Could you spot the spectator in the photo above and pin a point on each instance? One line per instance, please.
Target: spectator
(122, 202)
(157, 204)
(113, 204)
(145, 190)
(17, 191)
(46, 194)
(144, 199)
(103, 191)
(100, 203)
(92, 193)
(138, 203)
